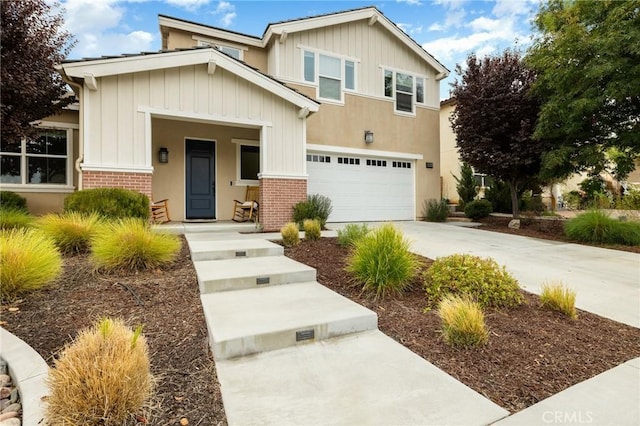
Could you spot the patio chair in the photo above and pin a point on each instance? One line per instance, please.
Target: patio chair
(160, 211)
(247, 209)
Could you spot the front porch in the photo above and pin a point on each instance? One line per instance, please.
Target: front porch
(222, 226)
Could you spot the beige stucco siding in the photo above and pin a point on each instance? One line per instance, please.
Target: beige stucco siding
(373, 47)
(117, 110)
(449, 158)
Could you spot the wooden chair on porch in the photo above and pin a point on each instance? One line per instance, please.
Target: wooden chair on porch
(249, 208)
(160, 211)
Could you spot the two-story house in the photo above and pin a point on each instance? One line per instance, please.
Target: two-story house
(345, 105)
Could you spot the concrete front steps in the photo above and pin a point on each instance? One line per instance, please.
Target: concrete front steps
(290, 351)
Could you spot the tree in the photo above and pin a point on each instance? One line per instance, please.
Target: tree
(32, 42)
(495, 117)
(587, 57)
(466, 185)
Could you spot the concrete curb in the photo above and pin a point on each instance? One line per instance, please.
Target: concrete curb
(29, 371)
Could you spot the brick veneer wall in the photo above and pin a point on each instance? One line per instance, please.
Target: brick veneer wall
(140, 182)
(277, 198)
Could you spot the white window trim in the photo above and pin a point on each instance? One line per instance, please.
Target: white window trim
(415, 102)
(24, 186)
(239, 143)
(316, 72)
(204, 42)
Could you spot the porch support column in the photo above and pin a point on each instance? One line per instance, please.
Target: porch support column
(278, 195)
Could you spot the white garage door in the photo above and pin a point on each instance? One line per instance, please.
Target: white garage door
(362, 188)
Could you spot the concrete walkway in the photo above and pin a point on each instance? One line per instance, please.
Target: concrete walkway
(354, 374)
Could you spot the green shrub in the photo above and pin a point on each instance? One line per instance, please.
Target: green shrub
(478, 209)
(597, 227)
(435, 211)
(102, 378)
(11, 200)
(114, 203)
(466, 185)
(72, 232)
(381, 260)
(29, 260)
(12, 218)
(559, 298)
(316, 207)
(480, 278)
(499, 195)
(352, 233)
(630, 200)
(311, 229)
(130, 244)
(290, 234)
(572, 200)
(462, 321)
(533, 203)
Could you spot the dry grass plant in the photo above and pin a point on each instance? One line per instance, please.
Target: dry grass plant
(14, 218)
(462, 321)
(71, 231)
(557, 297)
(102, 378)
(312, 229)
(290, 234)
(352, 233)
(29, 260)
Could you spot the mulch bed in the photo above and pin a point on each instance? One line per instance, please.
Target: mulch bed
(166, 301)
(532, 353)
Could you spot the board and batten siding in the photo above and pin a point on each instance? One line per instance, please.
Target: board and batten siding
(117, 125)
(372, 46)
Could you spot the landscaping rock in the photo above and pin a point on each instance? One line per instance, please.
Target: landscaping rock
(5, 380)
(14, 421)
(14, 395)
(12, 407)
(514, 224)
(8, 415)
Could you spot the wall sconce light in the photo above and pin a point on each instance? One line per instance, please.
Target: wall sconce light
(368, 136)
(163, 155)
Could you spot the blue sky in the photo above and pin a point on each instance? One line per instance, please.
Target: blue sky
(448, 29)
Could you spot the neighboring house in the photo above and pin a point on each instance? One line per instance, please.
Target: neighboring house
(345, 105)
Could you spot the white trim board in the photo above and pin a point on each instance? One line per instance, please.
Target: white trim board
(363, 152)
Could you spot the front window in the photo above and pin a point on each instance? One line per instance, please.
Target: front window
(249, 162)
(405, 88)
(44, 159)
(332, 74)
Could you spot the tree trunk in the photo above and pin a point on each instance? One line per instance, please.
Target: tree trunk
(515, 208)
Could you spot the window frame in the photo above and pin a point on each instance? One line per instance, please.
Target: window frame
(239, 144)
(415, 78)
(24, 185)
(315, 54)
(205, 42)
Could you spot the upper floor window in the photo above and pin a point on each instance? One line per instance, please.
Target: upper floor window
(405, 88)
(332, 74)
(43, 159)
(234, 52)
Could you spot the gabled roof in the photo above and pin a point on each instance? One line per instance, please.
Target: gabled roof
(280, 29)
(92, 68)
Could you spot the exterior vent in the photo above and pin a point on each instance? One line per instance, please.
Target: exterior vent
(305, 335)
(241, 254)
(262, 280)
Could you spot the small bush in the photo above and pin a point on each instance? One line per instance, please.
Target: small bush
(435, 211)
(29, 260)
(382, 261)
(480, 278)
(12, 218)
(462, 321)
(290, 234)
(630, 200)
(597, 227)
(311, 229)
(114, 203)
(559, 298)
(11, 200)
(466, 185)
(130, 244)
(316, 207)
(102, 378)
(478, 209)
(352, 233)
(72, 232)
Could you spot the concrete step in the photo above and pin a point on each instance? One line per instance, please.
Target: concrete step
(257, 320)
(244, 273)
(216, 250)
(361, 379)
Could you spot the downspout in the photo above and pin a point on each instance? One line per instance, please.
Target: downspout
(80, 93)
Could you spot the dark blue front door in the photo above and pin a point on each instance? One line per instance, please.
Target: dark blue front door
(200, 179)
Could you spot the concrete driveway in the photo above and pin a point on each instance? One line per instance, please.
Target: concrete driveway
(607, 282)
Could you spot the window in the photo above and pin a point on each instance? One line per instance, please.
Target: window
(377, 163)
(332, 74)
(402, 164)
(44, 159)
(249, 162)
(234, 52)
(318, 158)
(349, 160)
(405, 88)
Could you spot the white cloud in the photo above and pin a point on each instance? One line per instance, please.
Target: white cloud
(454, 15)
(485, 24)
(226, 13)
(91, 15)
(513, 7)
(92, 45)
(410, 28)
(190, 5)
(411, 2)
(436, 27)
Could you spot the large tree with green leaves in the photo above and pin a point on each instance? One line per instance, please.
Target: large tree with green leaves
(32, 42)
(587, 56)
(495, 117)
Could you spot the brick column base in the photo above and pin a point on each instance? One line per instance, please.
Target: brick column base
(140, 182)
(277, 198)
